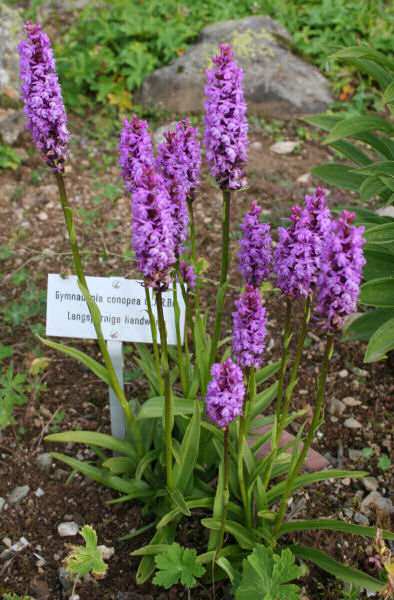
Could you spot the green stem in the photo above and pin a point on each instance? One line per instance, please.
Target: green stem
(285, 352)
(168, 399)
(223, 273)
(178, 341)
(312, 430)
(240, 457)
(226, 493)
(194, 253)
(96, 321)
(294, 371)
(153, 329)
(252, 396)
(185, 297)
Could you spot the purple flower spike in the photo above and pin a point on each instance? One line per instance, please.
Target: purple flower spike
(226, 127)
(153, 229)
(249, 329)
(136, 152)
(341, 266)
(42, 97)
(297, 254)
(188, 274)
(255, 254)
(180, 156)
(225, 393)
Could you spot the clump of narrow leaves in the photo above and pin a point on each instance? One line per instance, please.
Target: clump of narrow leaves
(177, 565)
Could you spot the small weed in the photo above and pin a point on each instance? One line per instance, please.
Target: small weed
(367, 453)
(58, 418)
(384, 462)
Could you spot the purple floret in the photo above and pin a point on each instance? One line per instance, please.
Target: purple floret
(297, 253)
(153, 229)
(136, 152)
(226, 127)
(249, 329)
(255, 254)
(225, 393)
(42, 97)
(188, 275)
(341, 266)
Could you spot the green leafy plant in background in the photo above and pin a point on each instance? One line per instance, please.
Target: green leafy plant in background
(372, 150)
(9, 158)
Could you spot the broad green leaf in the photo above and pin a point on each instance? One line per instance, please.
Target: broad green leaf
(145, 462)
(388, 95)
(381, 233)
(334, 567)
(264, 399)
(380, 262)
(378, 292)
(266, 576)
(276, 492)
(119, 465)
(383, 167)
(227, 568)
(190, 504)
(322, 120)
(372, 186)
(381, 342)
(351, 151)
(153, 408)
(189, 448)
(135, 489)
(86, 559)
(366, 52)
(365, 326)
(96, 439)
(178, 565)
(179, 502)
(339, 175)
(266, 372)
(332, 525)
(83, 358)
(244, 537)
(356, 125)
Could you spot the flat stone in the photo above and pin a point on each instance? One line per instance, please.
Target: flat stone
(376, 499)
(20, 545)
(285, 147)
(6, 555)
(361, 519)
(66, 529)
(39, 492)
(276, 82)
(350, 401)
(370, 483)
(106, 552)
(352, 423)
(18, 494)
(314, 461)
(304, 178)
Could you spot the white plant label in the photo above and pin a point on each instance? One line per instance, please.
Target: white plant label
(122, 304)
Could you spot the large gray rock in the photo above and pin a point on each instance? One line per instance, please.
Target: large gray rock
(277, 83)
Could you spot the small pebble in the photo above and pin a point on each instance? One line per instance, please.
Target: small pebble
(68, 529)
(39, 492)
(44, 462)
(336, 407)
(361, 519)
(343, 373)
(2, 503)
(350, 401)
(374, 498)
(352, 423)
(7, 542)
(346, 481)
(256, 146)
(20, 545)
(18, 494)
(285, 147)
(370, 483)
(106, 553)
(354, 454)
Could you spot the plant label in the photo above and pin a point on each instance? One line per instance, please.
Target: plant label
(122, 305)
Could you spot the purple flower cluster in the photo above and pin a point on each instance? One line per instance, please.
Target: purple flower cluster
(225, 393)
(226, 127)
(136, 152)
(249, 329)
(42, 97)
(153, 229)
(188, 274)
(341, 266)
(255, 254)
(297, 253)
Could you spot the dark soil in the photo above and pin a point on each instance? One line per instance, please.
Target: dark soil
(32, 227)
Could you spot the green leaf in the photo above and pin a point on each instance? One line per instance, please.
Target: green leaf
(380, 262)
(388, 95)
(96, 439)
(266, 372)
(264, 399)
(179, 502)
(332, 566)
(153, 408)
(118, 465)
(381, 342)
(365, 326)
(83, 358)
(380, 234)
(366, 52)
(339, 175)
(383, 167)
(266, 575)
(244, 537)
(356, 125)
(86, 559)
(178, 564)
(372, 186)
(189, 449)
(145, 461)
(332, 525)
(351, 151)
(378, 292)
(5, 351)
(384, 463)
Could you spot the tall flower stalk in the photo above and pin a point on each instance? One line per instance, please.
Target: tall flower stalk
(46, 119)
(225, 139)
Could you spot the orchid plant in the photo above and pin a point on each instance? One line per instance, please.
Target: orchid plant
(199, 451)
